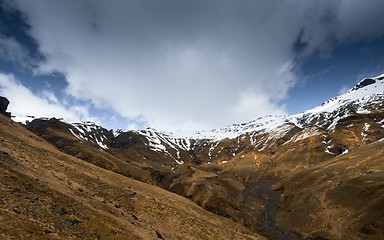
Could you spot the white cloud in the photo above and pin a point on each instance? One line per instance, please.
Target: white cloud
(25, 103)
(185, 64)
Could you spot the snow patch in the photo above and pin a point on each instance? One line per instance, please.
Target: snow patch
(364, 131)
(89, 131)
(328, 148)
(306, 133)
(345, 151)
(179, 162)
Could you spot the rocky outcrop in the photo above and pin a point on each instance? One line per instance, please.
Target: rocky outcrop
(364, 82)
(4, 102)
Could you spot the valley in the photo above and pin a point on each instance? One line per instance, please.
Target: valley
(314, 175)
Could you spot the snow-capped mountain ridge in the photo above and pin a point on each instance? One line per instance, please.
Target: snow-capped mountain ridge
(159, 141)
(366, 96)
(91, 132)
(359, 93)
(363, 98)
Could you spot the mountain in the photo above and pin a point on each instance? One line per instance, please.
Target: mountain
(313, 175)
(47, 194)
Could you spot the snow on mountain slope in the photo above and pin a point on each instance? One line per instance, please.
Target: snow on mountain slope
(24, 119)
(366, 96)
(259, 125)
(89, 131)
(161, 141)
(367, 90)
(363, 98)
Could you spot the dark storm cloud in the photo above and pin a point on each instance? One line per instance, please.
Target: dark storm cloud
(189, 63)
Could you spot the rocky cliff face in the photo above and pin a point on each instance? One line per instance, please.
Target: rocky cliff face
(266, 174)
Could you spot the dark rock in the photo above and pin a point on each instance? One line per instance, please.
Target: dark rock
(58, 210)
(131, 194)
(4, 102)
(159, 236)
(71, 222)
(364, 82)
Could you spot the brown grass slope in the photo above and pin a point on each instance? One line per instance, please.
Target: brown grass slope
(46, 194)
(57, 133)
(235, 179)
(342, 198)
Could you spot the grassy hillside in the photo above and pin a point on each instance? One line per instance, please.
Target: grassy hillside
(47, 194)
(342, 198)
(289, 183)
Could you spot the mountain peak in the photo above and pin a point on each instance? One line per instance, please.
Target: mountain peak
(366, 89)
(368, 81)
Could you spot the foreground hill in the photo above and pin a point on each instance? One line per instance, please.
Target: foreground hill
(47, 194)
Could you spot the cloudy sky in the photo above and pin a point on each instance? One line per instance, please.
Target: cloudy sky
(183, 64)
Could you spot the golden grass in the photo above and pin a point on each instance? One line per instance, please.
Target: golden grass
(46, 194)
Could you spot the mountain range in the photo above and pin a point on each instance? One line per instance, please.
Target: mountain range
(314, 175)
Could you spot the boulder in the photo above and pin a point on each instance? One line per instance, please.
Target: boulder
(3, 106)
